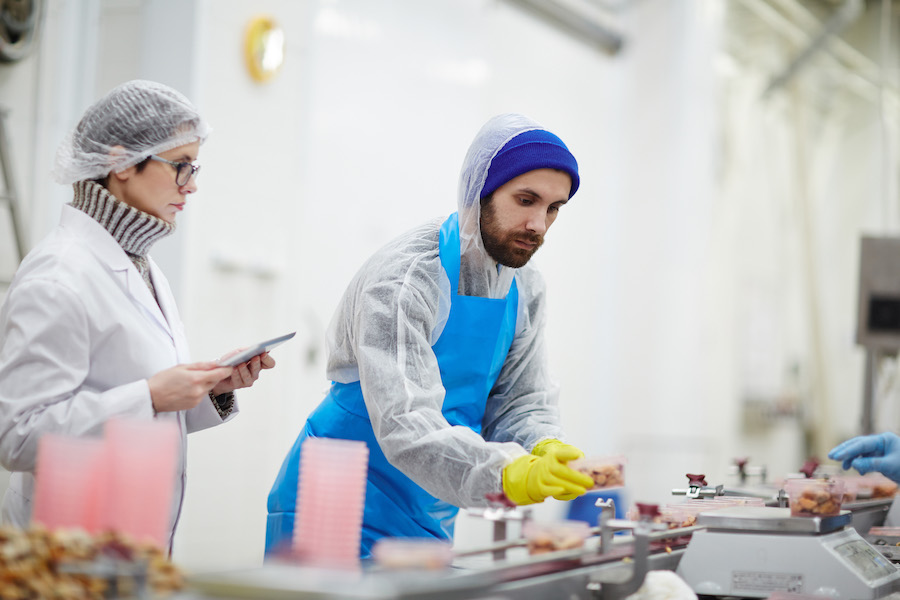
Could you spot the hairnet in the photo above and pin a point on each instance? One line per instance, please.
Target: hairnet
(479, 275)
(131, 122)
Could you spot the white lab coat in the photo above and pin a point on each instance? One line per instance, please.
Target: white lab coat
(80, 334)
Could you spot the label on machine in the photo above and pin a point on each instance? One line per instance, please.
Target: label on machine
(868, 563)
(762, 581)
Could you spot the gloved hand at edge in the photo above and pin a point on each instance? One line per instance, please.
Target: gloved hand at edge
(867, 453)
(530, 479)
(551, 445)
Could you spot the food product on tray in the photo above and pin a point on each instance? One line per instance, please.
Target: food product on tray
(556, 535)
(851, 489)
(884, 489)
(870, 486)
(815, 497)
(412, 553)
(881, 486)
(71, 564)
(607, 472)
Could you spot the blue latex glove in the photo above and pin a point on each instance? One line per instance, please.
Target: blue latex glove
(866, 453)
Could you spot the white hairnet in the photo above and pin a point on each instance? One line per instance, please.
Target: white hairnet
(396, 309)
(479, 275)
(131, 122)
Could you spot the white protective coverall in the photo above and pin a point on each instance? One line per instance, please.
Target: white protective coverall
(406, 288)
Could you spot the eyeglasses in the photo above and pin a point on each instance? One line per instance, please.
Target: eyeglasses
(183, 170)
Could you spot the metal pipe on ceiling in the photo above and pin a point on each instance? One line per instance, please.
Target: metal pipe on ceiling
(842, 18)
(578, 23)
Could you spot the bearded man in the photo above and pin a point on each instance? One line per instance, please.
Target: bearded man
(437, 354)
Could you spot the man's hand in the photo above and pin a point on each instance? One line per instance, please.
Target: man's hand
(552, 445)
(184, 386)
(245, 374)
(529, 478)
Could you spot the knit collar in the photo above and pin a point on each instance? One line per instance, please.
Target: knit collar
(133, 229)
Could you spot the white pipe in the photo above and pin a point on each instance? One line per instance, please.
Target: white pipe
(862, 73)
(888, 181)
(839, 20)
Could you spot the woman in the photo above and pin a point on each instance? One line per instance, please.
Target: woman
(89, 330)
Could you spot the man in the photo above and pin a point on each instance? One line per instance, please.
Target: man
(437, 353)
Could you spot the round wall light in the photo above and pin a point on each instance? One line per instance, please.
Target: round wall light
(263, 48)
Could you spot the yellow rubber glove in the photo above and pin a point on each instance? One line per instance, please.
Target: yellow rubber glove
(548, 446)
(529, 478)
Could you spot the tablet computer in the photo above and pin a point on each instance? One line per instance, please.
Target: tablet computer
(255, 350)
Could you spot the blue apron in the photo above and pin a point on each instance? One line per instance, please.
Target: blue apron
(470, 353)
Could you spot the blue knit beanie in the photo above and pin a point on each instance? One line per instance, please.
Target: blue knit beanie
(535, 149)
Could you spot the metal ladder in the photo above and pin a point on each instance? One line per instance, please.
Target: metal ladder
(9, 196)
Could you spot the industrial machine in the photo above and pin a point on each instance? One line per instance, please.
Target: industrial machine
(732, 552)
(878, 314)
(752, 551)
(609, 566)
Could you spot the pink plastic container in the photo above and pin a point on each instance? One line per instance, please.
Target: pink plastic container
(815, 497)
(70, 482)
(606, 471)
(552, 536)
(141, 465)
(330, 500)
(413, 553)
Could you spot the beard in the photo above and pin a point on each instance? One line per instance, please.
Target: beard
(501, 244)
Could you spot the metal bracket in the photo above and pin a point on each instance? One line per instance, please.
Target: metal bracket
(612, 585)
(501, 516)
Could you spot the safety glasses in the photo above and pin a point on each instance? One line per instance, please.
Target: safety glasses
(183, 170)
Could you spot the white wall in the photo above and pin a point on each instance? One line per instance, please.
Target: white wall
(669, 274)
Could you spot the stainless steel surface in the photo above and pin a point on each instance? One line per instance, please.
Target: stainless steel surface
(699, 492)
(876, 329)
(886, 543)
(751, 564)
(500, 516)
(770, 519)
(600, 571)
(610, 570)
(624, 581)
(868, 513)
(874, 357)
(563, 575)
(590, 573)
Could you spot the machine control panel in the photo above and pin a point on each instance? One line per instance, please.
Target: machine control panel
(870, 564)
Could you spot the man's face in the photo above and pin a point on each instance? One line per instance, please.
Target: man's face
(514, 221)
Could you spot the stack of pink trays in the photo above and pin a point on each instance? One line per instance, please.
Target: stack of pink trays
(123, 482)
(70, 486)
(330, 500)
(141, 463)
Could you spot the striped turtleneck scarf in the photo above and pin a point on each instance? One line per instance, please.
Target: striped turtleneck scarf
(133, 229)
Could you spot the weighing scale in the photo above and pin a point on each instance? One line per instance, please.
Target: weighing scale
(753, 551)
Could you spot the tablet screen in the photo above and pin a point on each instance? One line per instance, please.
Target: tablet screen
(255, 350)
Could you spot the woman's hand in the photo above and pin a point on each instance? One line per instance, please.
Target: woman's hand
(245, 374)
(184, 386)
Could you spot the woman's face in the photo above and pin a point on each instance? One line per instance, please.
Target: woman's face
(153, 189)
